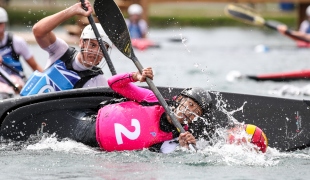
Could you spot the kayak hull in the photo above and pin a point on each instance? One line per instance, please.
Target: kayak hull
(302, 44)
(282, 76)
(284, 121)
(143, 44)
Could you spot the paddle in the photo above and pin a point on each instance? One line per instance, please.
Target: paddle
(112, 21)
(5, 76)
(105, 53)
(247, 15)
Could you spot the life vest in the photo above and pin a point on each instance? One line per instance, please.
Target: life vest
(129, 126)
(135, 31)
(9, 56)
(308, 29)
(59, 76)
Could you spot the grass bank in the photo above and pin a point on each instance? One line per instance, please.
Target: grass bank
(160, 15)
(155, 21)
(212, 14)
(29, 17)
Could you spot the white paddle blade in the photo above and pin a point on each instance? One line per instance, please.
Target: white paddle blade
(244, 14)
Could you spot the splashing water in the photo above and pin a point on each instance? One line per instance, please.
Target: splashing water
(184, 41)
(220, 153)
(221, 105)
(291, 90)
(65, 145)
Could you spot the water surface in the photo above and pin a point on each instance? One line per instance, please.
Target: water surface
(203, 60)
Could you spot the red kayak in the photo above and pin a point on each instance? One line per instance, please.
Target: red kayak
(303, 44)
(143, 44)
(283, 76)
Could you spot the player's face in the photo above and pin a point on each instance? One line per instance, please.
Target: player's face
(92, 54)
(187, 110)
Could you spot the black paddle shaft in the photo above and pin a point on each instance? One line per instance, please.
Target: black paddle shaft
(112, 21)
(105, 52)
(20, 73)
(9, 81)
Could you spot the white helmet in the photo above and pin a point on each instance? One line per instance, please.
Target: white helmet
(3, 15)
(88, 33)
(135, 9)
(308, 11)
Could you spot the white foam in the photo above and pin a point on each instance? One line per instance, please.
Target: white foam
(65, 145)
(260, 48)
(233, 76)
(232, 154)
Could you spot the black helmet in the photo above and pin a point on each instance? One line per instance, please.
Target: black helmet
(199, 95)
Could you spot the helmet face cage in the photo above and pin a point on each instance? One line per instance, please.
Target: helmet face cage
(200, 96)
(183, 110)
(202, 126)
(92, 55)
(202, 122)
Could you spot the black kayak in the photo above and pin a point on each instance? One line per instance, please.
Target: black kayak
(284, 121)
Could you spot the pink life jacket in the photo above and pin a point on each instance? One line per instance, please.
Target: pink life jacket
(129, 126)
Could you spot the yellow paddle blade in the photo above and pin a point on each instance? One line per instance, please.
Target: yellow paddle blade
(244, 14)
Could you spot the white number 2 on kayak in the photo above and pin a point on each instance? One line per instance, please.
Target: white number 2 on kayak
(120, 129)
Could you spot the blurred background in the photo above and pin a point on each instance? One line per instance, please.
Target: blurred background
(158, 12)
(196, 43)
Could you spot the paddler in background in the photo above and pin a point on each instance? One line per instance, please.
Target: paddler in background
(11, 48)
(68, 68)
(15, 84)
(305, 24)
(137, 26)
(295, 35)
(303, 32)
